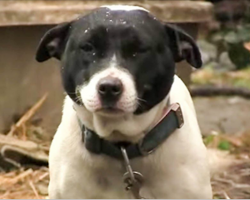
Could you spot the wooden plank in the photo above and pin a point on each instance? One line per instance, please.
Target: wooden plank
(30, 12)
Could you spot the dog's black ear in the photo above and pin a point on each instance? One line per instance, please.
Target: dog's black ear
(53, 42)
(183, 46)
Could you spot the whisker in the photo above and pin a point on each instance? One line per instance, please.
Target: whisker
(139, 104)
(143, 100)
(79, 99)
(71, 92)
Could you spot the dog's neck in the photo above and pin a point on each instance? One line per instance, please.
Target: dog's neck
(129, 127)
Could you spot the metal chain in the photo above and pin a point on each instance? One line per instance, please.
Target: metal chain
(132, 179)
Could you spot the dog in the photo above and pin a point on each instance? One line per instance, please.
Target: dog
(118, 70)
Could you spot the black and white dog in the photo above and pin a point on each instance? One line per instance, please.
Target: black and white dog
(118, 69)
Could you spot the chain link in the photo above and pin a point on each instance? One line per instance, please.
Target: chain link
(132, 179)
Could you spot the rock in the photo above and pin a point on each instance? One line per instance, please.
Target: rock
(208, 51)
(212, 65)
(225, 62)
(231, 11)
(234, 100)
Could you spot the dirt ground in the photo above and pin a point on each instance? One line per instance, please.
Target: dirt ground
(223, 115)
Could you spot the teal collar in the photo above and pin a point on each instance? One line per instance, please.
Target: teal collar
(171, 120)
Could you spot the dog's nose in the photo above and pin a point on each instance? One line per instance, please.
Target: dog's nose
(110, 88)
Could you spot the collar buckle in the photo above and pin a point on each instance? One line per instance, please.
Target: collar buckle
(178, 113)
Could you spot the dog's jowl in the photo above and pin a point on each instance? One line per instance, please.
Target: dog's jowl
(126, 112)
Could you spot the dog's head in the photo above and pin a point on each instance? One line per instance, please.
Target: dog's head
(118, 59)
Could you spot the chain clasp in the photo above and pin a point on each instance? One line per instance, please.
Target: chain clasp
(132, 179)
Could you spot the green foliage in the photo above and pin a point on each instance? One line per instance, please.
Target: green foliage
(209, 139)
(232, 41)
(239, 55)
(208, 76)
(224, 145)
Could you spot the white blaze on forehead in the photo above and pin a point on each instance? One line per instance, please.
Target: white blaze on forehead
(124, 7)
(128, 100)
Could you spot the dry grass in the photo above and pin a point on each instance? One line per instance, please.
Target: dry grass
(208, 76)
(24, 184)
(233, 182)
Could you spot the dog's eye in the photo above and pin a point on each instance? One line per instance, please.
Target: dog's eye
(133, 50)
(143, 49)
(88, 47)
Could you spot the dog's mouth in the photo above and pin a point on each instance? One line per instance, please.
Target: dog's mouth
(110, 110)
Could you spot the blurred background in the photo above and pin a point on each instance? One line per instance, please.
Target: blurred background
(32, 94)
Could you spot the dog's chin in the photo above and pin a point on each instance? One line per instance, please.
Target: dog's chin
(110, 112)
